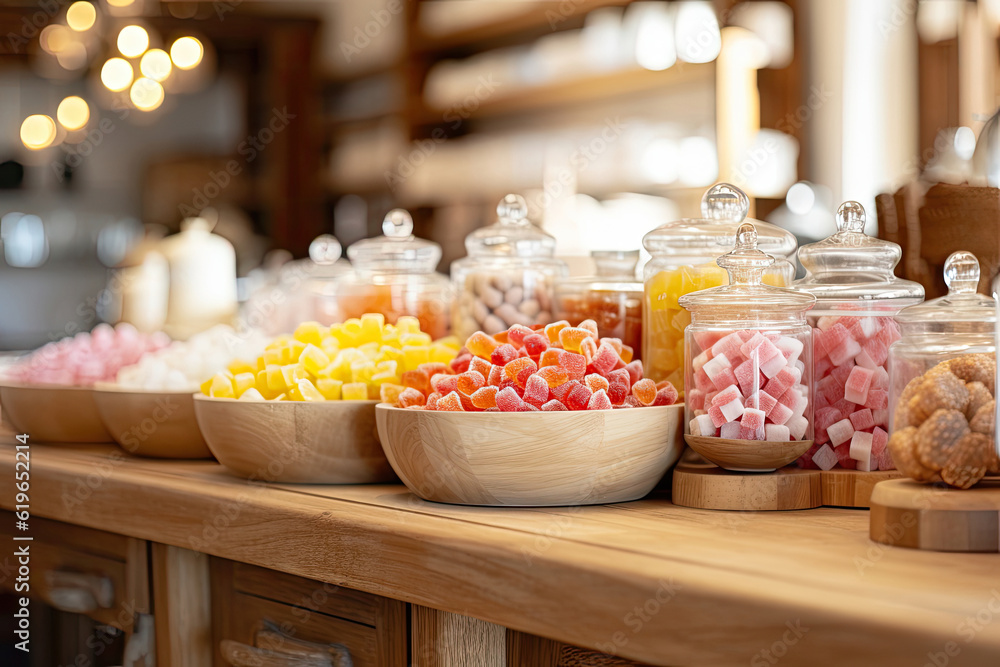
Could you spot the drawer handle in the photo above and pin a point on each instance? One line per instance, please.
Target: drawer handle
(79, 592)
(244, 655)
(274, 648)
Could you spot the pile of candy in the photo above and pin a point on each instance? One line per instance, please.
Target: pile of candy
(348, 361)
(748, 385)
(558, 367)
(852, 393)
(182, 365)
(87, 358)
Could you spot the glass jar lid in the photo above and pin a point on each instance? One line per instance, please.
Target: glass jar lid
(325, 254)
(512, 235)
(397, 250)
(852, 265)
(723, 208)
(963, 309)
(746, 265)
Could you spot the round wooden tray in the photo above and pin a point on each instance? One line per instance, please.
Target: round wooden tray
(852, 488)
(711, 487)
(906, 513)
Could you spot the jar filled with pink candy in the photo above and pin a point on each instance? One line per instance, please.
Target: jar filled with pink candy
(748, 354)
(857, 294)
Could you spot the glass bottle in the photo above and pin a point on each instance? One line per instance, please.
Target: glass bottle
(612, 298)
(748, 353)
(857, 295)
(509, 274)
(683, 260)
(395, 275)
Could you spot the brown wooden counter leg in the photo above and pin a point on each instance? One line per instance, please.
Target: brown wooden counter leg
(182, 606)
(443, 639)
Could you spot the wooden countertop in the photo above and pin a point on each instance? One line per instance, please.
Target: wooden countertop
(655, 582)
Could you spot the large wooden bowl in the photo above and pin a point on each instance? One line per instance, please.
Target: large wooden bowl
(531, 458)
(156, 424)
(333, 442)
(51, 413)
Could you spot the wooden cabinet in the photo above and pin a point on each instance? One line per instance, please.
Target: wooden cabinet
(262, 617)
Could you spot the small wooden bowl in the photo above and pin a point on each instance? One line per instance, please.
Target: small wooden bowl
(159, 425)
(53, 413)
(531, 458)
(333, 442)
(748, 455)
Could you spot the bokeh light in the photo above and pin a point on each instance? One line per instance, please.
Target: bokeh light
(73, 113)
(146, 94)
(116, 75)
(133, 40)
(155, 65)
(81, 16)
(120, 3)
(800, 198)
(54, 38)
(38, 132)
(186, 52)
(73, 56)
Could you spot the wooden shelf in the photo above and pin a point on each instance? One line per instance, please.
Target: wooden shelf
(575, 92)
(534, 22)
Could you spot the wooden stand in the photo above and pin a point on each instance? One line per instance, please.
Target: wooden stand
(906, 513)
(709, 487)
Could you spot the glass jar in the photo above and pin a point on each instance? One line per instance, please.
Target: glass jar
(683, 260)
(509, 275)
(962, 322)
(395, 275)
(857, 295)
(747, 353)
(612, 298)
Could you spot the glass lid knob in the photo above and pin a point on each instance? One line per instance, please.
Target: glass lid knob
(851, 217)
(398, 224)
(325, 249)
(512, 208)
(961, 273)
(725, 202)
(745, 262)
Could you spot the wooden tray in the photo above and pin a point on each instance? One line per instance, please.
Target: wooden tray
(906, 513)
(710, 487)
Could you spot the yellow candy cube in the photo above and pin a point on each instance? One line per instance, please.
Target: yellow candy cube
(441, 353)
(415, 339)
(362, 371)
(272, 355)
(222, 387)
(244, 381)
(309, 333)
(307, 391)
(388, 365)
(288, 375)
(415, 355)
(389, 392)
(369, 350)
(237, 366)
(451, 341)
(408, 324)
(314, 359)
(206, 386)
(371, 327)
(329, 388)
(262, 386)
(354, 391)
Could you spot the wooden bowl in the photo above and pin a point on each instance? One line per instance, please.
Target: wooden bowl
(333, 442)
(160, 425)
(52, 413)
(531, 458)
(748, 455)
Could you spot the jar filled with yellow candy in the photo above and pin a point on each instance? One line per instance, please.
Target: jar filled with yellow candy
(684, 254)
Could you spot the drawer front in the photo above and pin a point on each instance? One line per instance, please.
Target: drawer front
(298, 621)
(83, 571)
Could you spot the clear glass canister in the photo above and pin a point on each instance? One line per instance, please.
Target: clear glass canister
(683, 260)
(612, 298)
(959, 324)
(748, 348)
(509, 275)
(395, 275)
(857, 295)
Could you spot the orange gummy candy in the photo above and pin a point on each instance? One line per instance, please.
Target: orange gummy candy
(554, 375)
(550, 357)
(626, 353)
(572, 338)
(552, 330)
(588, 348)
(410, 397)
(470, 381)
(417, 380)
(645, 391)
(480, 365)
(481, 344)
(485, 398)
(589, 325)
(450, 403)
(595, 382)
(520, 370)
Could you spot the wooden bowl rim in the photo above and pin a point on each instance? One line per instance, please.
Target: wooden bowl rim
(801, 447)
(517, 415)
(202, 398)
(111, 388)
(46, 387)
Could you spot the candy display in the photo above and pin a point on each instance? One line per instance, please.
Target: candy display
(957, 324)
(748, 352)
(394, 275)
(612, 298)
(857, 294)
(87, 358)
(182, 365)
(945, 422)
(509, 275)
(553, 368)
(349, 361)
(684, 254)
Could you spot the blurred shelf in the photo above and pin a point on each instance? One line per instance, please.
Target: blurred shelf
(596, 88)
(538, 20)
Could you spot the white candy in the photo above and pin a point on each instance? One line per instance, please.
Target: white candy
(776, 432)
(825, 458)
